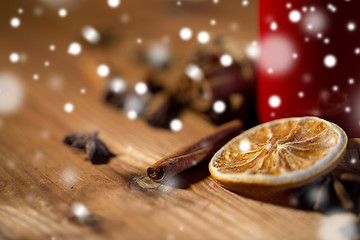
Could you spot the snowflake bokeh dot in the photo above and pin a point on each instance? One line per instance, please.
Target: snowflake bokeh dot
(330, 61)
(185, 33)
(274, 101)
(69, 107)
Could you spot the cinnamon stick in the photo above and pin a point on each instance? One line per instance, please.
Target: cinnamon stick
(194, 153)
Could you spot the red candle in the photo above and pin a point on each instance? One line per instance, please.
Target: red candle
(310, 61)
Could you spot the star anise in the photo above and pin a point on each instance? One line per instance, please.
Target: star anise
(338, 189)
(332, 191)
(97, 151)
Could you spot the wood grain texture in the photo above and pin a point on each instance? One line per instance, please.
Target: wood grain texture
(40, 177)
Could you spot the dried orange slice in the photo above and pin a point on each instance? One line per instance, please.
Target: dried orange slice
(279, 155)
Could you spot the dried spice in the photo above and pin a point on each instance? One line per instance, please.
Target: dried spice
(331, 192)
(162, 109)
(96, 150)
(207, 81)
(340, 188)
(204, 81)
(194, 153)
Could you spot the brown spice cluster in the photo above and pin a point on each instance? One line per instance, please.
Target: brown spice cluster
(96, 150)
(203, 82)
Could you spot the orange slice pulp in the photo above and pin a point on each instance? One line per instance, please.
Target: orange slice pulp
(279, 155)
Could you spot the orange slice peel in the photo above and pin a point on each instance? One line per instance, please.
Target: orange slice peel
(279, 155)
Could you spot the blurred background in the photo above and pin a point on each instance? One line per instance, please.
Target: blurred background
(135, 55)
(155, 60)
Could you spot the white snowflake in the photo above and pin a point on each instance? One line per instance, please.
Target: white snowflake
(80, 210)
(132, 114)
(103, 70)
(274, 101)
(357, 51)
(276, 52)
(90, 34)
(11, 93)
(176, 125)
(203, 37)
(226, 60)
(330, 61)
(185, 33)
(117, 85)
(14, 57)
(141, 88)
(219, 106)
(69, 107)
(295, 16)
(331, 7)
(113, 3)
(273, 26)
(194, 72)
(74, 49)
(351, 81)
(62, 12)
(253, 50)
(332, 226)
(15, 22)
(351, 26)
(244, 145)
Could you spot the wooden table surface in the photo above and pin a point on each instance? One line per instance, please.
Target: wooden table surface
(41, 178)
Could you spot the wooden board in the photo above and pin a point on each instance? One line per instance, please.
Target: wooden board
(41, 178)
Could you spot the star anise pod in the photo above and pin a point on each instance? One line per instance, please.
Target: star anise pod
(347, 189)
(96, 149)
(333, 191)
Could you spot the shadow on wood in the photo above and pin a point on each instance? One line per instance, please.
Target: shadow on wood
(191, 176)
